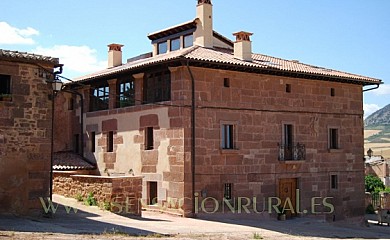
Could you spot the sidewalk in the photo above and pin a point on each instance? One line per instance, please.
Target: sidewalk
(92, 220)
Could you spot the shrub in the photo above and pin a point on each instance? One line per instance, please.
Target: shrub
(90, 201)
(79, 197)
(107, 206)
(373, 184)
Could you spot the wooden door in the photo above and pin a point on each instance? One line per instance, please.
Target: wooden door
(152, 193)
(287, 194)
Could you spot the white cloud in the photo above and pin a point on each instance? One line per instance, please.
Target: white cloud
(369, 109)
(13, 35)
(383, 89)
(78, 59)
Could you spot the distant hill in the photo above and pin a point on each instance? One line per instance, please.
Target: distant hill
(378, 118)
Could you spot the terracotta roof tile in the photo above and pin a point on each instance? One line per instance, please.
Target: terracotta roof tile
(225, 56)
(70, 161)
(27, 56)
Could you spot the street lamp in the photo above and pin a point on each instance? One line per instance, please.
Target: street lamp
(56, 85)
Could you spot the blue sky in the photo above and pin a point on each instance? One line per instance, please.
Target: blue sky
(347, 35)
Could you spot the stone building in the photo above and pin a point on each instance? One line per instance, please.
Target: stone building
(209, 123)
(25, 130)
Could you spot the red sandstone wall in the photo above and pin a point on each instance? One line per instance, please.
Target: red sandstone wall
(25, 131)
(259, 106)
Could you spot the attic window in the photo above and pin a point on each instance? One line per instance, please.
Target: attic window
(175, 44)
(188, 41)
(162, 48)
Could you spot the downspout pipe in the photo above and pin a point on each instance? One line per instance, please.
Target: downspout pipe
(373, 88)
(193, 136)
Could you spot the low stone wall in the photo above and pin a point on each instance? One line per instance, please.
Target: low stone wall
(119, 194)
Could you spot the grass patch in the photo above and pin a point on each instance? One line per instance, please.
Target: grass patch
(257, 236)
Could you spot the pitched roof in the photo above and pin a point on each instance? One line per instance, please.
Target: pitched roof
(15, 55)
(226, 57)
(70, 161)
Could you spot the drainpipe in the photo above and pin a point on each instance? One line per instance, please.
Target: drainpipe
(377, 86)
(193, 137)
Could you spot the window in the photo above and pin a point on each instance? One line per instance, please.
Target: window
(175, 44)
(162, 48)
(126, 94)
(332, 92)
(227, 193)
(93, 141)
(5, 85)
(288, 88)
(76, 143)
(227, 136)
(110, 141)
(149, 141)
(288, 141)
(333, 181)
(333, 138)
(188, 41)
(157, 87)
(226, 82)
(71, 103)
(100, 98)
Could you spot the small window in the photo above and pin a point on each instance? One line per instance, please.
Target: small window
(332, 92)
(288, 88)
(93, 141)
(334, 181)
(333, 138)
(175, 44)
(5, 85)
(76, 143)
(188, 41)
(227, 193)
(149, 141)
(226, 82)
(162, 48)
(71, 103)
(227, 136)
(110, 141)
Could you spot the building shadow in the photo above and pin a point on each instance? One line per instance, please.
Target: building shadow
(302, 226)
(67, 220)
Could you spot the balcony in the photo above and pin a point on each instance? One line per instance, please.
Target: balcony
(295, 152)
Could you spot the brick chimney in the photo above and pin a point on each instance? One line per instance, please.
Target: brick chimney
(203, 35)
(114, 55)
(243, 46)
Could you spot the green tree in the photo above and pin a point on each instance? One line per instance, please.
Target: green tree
(373, 184)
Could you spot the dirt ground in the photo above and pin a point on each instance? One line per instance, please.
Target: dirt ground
(94, 223)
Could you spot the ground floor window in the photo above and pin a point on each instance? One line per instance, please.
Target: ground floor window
(227, 193)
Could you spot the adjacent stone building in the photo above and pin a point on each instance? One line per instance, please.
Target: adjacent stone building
(208, 123)
(25, 130)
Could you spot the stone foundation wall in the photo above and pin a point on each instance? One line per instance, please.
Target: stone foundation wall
(123, 194)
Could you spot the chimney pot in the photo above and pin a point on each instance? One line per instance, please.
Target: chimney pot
(114, 55)
(243, 46)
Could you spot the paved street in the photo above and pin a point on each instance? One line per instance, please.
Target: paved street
(91, 222)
